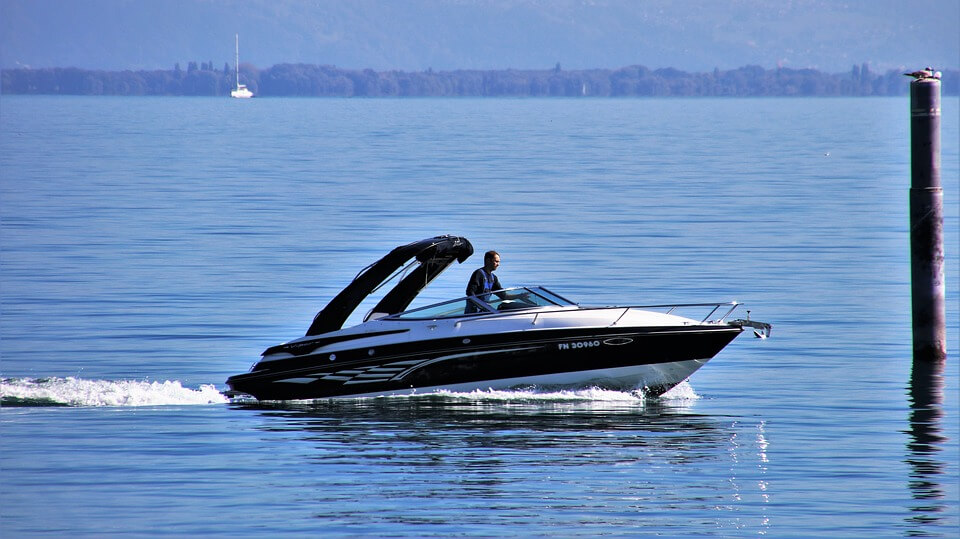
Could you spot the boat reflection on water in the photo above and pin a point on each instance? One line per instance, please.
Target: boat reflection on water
(925, 396)
(569, 410)
(457, 433)
(488, 456)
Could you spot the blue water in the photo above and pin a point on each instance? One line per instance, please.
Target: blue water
(151, 247)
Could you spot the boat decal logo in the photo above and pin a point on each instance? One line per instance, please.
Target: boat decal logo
(617, 341)
(358, 375)
(393, 371)
(300, 380)
(424, 363)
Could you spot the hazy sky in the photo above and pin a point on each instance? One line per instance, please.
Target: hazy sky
(691, 35)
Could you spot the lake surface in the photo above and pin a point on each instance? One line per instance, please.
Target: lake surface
(151, 247)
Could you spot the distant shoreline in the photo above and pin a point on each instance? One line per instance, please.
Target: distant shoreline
(306, 80)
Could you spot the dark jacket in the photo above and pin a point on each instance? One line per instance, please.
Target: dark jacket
(480, 280)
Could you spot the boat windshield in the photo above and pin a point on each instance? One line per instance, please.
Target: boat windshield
(508, 299)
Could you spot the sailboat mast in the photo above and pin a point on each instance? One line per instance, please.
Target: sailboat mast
(240, 90)
(237, 62)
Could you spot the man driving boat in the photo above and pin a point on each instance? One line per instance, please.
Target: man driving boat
(483, 281)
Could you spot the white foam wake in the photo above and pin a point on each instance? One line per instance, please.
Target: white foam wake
(79, 392)
(682, 392)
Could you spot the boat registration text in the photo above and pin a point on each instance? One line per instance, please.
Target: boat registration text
(577, 345)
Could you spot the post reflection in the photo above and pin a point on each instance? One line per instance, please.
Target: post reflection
(923, 447)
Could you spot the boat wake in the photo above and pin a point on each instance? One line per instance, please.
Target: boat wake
(681, 394)
(70, 391)
(79, 392)
(683, 391)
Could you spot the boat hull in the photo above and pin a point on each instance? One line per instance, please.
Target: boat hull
(652, 358)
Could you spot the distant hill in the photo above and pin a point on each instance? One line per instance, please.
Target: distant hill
(447, 35)
(328, 81)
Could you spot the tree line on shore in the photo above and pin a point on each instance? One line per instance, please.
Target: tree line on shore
(331, 81)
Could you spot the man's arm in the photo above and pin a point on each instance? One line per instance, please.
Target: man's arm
(474, 284)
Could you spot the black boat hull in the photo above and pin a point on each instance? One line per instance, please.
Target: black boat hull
(653, 358)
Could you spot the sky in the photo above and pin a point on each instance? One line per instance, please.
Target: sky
(415, 35)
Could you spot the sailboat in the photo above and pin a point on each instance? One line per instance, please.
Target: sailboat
(241, 90)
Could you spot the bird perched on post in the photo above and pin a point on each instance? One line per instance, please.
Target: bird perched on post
(926, 73)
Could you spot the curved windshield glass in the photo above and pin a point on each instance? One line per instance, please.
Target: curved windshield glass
(447, 309)
(512, 299)
(508, 299)
(550, 296)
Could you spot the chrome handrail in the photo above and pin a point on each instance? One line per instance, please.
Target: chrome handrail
(492, 314)
(535, 313)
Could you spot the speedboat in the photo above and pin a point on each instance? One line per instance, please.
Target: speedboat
(515, 337)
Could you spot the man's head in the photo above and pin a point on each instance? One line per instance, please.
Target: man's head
(491, 260)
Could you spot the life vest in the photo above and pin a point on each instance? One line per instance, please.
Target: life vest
(488, 280)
